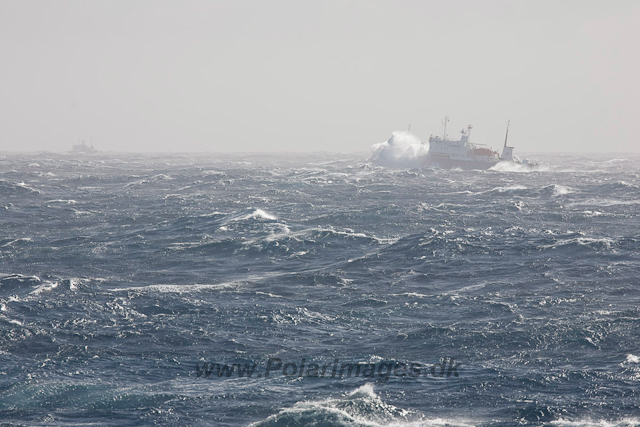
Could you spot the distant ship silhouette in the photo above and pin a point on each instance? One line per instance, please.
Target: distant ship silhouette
(83, 148)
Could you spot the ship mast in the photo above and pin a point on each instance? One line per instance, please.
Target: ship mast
(507, 134)
(444, 122)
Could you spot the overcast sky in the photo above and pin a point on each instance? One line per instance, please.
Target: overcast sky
(317, 75)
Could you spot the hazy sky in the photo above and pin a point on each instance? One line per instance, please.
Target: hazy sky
(317, 75)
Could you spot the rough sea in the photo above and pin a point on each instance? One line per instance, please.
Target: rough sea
(317, 290)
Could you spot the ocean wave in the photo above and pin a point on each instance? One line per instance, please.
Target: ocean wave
(10, 188)
(505, 166)
(327, 233)
(553, 190)
(149, 180)
(250, 214)
(603, 243)
(72, 284)
(589, 422)
(177, 289)
(625, 184)
(604, 202)
(516, 188)
(557, 190)
(529, 280)
(360, 408)
(18, 281)
(15, 242)
(63, 201)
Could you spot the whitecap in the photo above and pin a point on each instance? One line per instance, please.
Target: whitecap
(63, 201)
(561, 190)
(45, 287)
(17, 241)
(178, 289)
(361, 407)
(251, 214)
(506, 166)
(588, 422)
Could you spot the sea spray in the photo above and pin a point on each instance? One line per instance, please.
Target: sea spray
(403, 150)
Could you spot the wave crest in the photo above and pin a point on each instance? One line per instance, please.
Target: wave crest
(360, 408)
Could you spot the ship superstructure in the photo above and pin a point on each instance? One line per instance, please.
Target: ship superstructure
(84, 148)
(448, 154)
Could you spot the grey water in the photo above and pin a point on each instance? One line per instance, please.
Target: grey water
(135, 288)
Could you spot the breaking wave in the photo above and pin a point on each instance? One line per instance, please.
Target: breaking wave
(360, 408)
(624, 422)
(505, 166)
(403, 151)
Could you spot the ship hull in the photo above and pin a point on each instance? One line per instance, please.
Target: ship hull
(461, 164)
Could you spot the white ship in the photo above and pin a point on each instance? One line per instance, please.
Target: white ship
(448, 154)
(463, 154)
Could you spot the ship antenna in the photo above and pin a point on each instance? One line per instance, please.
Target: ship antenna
(445, 121)
(507, 134)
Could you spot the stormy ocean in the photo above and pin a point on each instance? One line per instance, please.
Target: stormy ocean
(317, 290)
